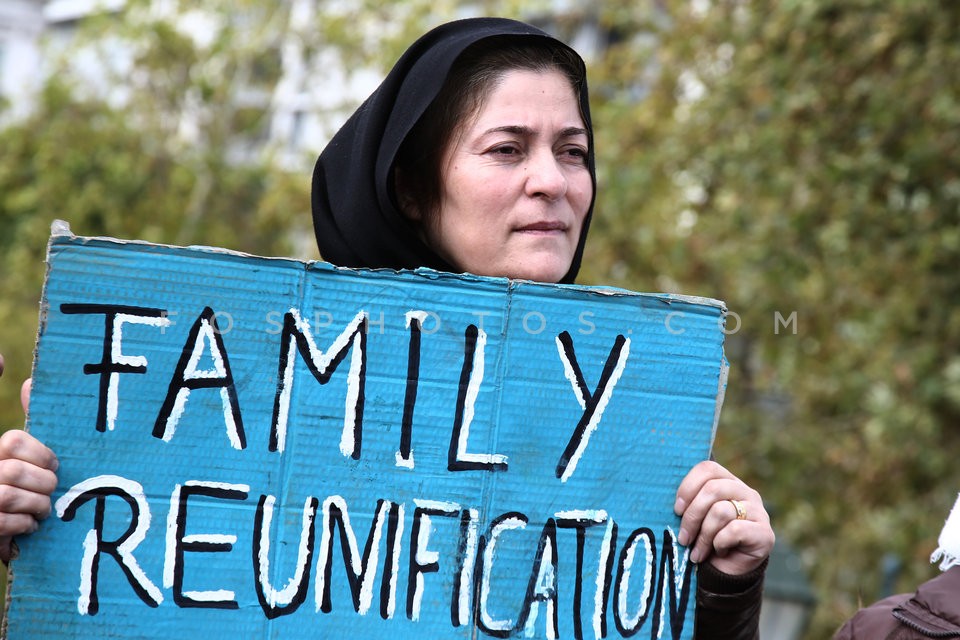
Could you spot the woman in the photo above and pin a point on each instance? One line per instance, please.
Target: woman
(476, 154)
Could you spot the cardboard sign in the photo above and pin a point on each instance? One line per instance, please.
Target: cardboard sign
(265, 448)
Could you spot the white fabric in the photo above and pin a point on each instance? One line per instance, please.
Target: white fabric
(948, 553)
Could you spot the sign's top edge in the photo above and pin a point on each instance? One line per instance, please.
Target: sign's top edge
(61, 234)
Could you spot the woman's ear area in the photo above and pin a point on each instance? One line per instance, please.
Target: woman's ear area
(405, 201)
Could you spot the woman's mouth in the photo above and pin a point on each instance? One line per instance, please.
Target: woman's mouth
(544, 226)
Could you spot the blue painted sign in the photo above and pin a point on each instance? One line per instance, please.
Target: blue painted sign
(264, 448)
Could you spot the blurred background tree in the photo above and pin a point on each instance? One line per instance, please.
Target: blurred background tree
(797, 159)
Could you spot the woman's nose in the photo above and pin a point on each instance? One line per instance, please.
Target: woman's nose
(545, 176)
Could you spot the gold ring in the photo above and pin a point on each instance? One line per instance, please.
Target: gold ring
(741, 509)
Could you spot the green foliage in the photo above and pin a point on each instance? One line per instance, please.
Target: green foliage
(800, 158)
(132, 172)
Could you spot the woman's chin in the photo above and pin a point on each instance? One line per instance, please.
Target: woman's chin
(550, 270)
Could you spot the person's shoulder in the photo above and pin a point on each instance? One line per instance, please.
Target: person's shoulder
(946, 583)
(873, 622)
(935, 605)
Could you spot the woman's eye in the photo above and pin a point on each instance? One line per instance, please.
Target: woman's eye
(578, 154)
(506, 150)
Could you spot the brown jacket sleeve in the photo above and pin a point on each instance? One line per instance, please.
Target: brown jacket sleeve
(728, 607)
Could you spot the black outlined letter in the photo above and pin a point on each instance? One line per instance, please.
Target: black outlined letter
(204, 335)
(113, 362)
(581, 520)
(486, 551)
(462, 601)
(458, 459)
(361, 570)
(628, 624)
(592, 404)
(422, 559)
(542, 586)
(405, 453)
(279, 602)
(297, 338)
(673, 587)
(121, 549)
(179, 543)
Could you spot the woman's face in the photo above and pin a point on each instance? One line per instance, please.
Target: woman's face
(515, 187)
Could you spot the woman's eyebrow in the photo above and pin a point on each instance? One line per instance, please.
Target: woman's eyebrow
(573, 131)
(523, 130)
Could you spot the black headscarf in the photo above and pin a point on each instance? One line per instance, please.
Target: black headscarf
(355, 219)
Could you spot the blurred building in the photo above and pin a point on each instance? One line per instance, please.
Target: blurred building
(304, 106)
(21, 24)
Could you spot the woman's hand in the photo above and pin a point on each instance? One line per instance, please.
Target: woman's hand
(27, 479)
(723, 521)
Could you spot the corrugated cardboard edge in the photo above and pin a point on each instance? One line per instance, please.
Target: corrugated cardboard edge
(57, 228)
(7, 600)
(60, 228)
